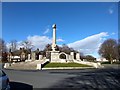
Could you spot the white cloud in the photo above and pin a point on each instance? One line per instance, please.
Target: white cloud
(113, 33)
(111, 11)
(60, 40)
(19, 45)
(90, 44)
(8, 45)
(46, 31)
(39, 41)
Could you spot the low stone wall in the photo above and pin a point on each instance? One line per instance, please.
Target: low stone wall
(39, 66)
(62, 61)
(66, 68)
(96, 65)
(6, 65)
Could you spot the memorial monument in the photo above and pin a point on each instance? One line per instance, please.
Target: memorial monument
(55, 55)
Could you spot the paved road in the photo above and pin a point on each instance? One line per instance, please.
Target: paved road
(83, 79)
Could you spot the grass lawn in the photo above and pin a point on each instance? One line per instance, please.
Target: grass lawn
(49, 65)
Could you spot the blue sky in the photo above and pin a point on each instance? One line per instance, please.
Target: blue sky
(83, 26)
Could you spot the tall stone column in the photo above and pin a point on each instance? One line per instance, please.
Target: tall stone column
(54, 37)
(54, 53)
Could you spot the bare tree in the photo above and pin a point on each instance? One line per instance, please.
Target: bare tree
(108, 50)
(46, 50)
(13, 45)
(119, 49)
(27, 44)
(37, 53)
(3, 50)
(65, 49)
(3, 47)
(82, 56)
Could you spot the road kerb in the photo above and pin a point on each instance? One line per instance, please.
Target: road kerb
(68, 68)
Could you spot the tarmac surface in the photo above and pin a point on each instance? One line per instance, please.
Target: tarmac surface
(84, 79)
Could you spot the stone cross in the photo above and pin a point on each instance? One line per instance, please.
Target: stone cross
(54, 37)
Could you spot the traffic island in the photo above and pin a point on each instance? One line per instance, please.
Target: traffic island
(65, 66)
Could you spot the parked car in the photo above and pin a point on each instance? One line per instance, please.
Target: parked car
(4, 81)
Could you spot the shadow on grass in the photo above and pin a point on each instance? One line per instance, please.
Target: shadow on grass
(101, 79)
(44, 64)
(20, 86)
(110, 63)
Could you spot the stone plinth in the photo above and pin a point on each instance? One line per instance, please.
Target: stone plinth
(28, 56)
(38, 67)
(77, 56)
(33, 56)
(22, 56)
(55, 56)
(72, 55)
(40, 57)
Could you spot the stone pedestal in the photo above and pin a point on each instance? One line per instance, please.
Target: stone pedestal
(33, 56)
(40, 57)
(72, 55)
(22, 56)
(54, 56)
(39, 67)
(28, 56)
(77, 56)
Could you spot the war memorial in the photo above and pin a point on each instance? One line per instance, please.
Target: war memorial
(55, 56)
